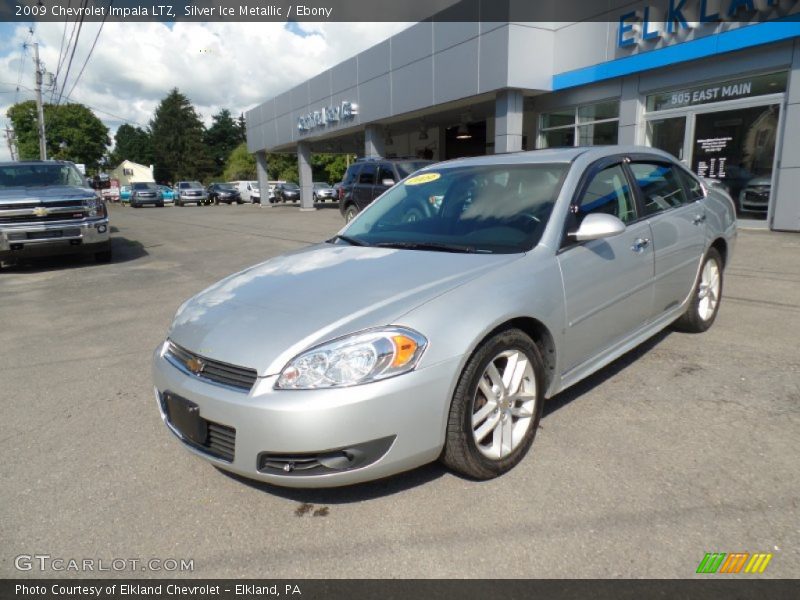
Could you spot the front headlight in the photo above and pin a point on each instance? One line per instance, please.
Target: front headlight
(355, 359)
(95, 207)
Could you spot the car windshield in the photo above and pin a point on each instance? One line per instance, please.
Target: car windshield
(490, 209)
(225, 187)
(405, 168)
(189, 184)
(290, 186)
(253, 185)
(24, 175)
(144, 186)
(321, 186)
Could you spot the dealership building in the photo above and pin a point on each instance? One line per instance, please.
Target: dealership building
(717, 84)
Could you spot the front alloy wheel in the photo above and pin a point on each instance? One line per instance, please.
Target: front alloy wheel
(496, 407)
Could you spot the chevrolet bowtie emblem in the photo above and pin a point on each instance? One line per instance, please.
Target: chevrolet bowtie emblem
(40, 211)
(195, 365)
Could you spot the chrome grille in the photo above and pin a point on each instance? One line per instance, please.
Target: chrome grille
(214, 371)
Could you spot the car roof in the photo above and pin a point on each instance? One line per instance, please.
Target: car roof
(553, 155)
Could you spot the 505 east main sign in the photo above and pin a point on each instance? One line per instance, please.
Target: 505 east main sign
(327, 115)
(651, 23)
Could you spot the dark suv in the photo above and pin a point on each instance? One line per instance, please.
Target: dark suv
(368, 178)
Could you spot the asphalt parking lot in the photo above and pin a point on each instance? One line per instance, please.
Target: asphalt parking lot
(687, 445)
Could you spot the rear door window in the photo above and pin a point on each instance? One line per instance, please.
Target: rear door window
(351, 176)
(367, 175)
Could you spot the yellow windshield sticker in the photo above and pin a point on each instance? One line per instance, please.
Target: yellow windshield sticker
(424, 178)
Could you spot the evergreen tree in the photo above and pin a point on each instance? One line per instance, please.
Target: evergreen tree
(177, 137)
(222, 138)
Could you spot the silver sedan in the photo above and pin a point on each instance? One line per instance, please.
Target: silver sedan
(442, 335)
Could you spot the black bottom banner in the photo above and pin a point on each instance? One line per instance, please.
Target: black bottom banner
(400, 589)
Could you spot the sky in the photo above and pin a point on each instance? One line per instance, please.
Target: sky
(217, 65)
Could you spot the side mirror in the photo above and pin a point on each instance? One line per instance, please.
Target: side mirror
(596, 226)
(388, 182)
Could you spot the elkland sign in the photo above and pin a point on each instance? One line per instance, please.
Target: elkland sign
(345, 111)
(652, 23)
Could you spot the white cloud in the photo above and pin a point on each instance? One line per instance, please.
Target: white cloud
(217, 65)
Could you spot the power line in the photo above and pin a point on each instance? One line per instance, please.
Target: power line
(74, 47)
(60, 53)
(88, 56)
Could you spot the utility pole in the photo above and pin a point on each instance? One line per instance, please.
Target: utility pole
(10, 140)
(39, 107)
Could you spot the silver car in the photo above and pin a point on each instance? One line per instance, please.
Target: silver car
(442, 336)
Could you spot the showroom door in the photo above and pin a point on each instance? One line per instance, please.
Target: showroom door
(737, 148)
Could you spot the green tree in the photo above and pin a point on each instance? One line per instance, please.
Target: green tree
(241, 123)
(132, 143)
(240, 165)
(221, 138)
(72, 132)
(177, 136)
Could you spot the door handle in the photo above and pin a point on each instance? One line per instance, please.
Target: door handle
(698, 219)
(639, 244)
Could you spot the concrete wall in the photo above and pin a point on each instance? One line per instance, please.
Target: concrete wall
(786, 212)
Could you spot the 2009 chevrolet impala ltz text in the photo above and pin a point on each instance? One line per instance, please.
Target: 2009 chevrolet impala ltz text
(453, 306)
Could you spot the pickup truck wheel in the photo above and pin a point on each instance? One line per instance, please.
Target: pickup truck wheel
(496, 407)
(350, 213)
(704, 304)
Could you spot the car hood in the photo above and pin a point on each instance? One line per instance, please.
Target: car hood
(264, 316)
(43, 194)
(759, 181)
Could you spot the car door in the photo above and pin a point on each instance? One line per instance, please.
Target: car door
(362, 191)
(677, 219)
(608, 283)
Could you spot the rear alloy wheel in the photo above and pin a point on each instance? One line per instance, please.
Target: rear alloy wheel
(496, 407)
(704, 303)
(350, 213)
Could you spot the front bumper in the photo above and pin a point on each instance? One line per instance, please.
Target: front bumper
(65, 237)
(190, 199)
(396, 424)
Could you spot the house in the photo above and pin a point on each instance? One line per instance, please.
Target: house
(128, 172)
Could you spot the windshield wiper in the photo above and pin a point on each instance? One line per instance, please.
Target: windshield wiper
(436, 246)
(350, 240)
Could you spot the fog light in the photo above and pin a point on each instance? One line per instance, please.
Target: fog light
(101, 229)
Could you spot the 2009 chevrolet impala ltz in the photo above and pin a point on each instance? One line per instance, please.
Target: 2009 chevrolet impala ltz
(438, 321)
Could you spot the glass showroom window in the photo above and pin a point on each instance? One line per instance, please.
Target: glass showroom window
(587, 125)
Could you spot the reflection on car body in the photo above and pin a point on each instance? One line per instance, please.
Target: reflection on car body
(442, 335)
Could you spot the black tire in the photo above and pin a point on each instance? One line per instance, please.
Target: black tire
(693, 321)
(350, 213)
(461, 453)
(160, 205)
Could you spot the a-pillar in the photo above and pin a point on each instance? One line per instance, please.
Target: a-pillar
(508, 121)
(304, 169)
(373, 141)
(263, 177)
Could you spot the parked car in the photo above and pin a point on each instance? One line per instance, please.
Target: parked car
(754, 197)
(287, 192)
(224, 193)
(271, 191)
(145, 193)
(125, 194)
(448, 332)
(47, 208)
(190, 192)
(167, 194)
(366, 179)
(323, 191)
(248, 190)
